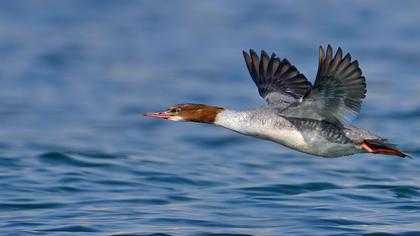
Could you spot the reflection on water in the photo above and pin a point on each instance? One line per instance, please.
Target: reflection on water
(77, 156)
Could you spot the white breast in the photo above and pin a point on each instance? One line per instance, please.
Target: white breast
(262, 124)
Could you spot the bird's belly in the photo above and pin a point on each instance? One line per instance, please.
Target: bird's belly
(290, 138)
(312, 144)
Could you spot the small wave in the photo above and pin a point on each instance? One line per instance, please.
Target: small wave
(29, 206)
(289, 189)
(188, 221)
(181, 198)
(141, 201)
(400, 191)
(70, 228)
(215, 141)
(97, 154)
(151, 234)
(223, 234)
(174, 179)
(57, 158)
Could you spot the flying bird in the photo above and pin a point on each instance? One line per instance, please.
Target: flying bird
(313, 119)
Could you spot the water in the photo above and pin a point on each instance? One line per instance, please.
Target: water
(77, 157)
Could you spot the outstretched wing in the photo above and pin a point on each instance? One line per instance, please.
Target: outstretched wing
(337, 93)
(277, 80)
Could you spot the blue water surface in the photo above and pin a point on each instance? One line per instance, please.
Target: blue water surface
(78, 158)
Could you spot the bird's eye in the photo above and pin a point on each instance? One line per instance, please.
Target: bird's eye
(175, 110)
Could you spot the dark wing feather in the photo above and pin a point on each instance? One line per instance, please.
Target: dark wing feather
(337, 93)
(277, 80)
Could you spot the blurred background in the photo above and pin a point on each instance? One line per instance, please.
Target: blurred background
(76, 154)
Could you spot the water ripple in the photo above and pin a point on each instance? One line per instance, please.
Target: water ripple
(56, 158)
(289, 189)
(29, 205)
(70, 228)
(397, 190)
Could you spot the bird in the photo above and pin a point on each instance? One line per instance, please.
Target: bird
(310, 118)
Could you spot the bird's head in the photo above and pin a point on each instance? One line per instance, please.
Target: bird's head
(189, 112)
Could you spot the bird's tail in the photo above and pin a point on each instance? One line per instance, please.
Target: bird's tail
(381, 146)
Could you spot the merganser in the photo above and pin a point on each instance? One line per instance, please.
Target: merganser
(313, 119)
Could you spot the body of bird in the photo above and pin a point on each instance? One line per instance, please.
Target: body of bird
(309, 118)
(306, 135)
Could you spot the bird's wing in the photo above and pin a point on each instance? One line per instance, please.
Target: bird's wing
(337, 93)
(277, 80)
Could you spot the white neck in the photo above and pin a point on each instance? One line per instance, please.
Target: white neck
(239, 121)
